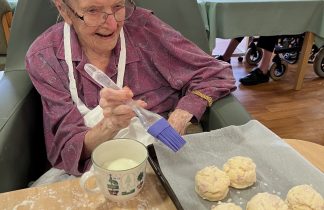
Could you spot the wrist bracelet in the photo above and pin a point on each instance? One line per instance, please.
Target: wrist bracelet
(203, 96)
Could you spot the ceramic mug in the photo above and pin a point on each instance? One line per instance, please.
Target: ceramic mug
(119, 169)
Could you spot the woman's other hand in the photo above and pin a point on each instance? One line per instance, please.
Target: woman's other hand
(179, 120)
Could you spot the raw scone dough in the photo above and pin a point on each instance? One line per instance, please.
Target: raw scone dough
(226, 206)
(266, 201)
(241, 171)
(304, 197)
(212, 183)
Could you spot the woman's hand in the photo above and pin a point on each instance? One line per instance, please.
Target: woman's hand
(115, 108)
(117, 115)
(179, 120)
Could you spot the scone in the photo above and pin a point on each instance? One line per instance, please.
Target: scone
(212, 183)
(226, 206)
(266, 201)
(304, 197)
(241, 171)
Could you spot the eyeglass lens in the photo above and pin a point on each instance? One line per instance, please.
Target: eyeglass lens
(120, 14)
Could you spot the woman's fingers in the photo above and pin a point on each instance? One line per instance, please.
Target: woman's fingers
(119, 117)
(141, 103)
(118, 111)
(116, 123)
(119, 95)
(115, 107)
(111, 97)
(121, 121)
(104, 103)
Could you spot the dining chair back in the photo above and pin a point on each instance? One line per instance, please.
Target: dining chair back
(182, 15)
(31, 18)
(6, 24)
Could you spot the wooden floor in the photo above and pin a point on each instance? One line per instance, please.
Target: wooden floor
(287, 112)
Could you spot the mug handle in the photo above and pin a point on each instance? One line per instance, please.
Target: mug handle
(84, 178)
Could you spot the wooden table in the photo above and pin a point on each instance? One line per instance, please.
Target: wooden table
(313, 152)
(69, 195)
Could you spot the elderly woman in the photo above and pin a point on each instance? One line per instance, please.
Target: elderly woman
(164, 72)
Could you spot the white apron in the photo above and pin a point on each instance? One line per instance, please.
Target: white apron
(91, 117)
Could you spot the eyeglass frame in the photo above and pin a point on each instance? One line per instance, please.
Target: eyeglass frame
(113, 14)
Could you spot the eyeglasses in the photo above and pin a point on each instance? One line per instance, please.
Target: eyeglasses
(93, 17)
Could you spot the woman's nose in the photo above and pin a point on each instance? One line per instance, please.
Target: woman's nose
(111, 22)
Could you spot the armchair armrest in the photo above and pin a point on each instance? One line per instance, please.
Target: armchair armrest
(22, 147)
(224, 112)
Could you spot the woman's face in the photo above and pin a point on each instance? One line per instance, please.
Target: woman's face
(102, 38)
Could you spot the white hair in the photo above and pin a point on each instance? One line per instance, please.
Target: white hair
(59, 17)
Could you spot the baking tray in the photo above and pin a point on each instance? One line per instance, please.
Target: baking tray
(279, 166)
(152, 158)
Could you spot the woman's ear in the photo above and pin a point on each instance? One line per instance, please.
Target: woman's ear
(62, 8)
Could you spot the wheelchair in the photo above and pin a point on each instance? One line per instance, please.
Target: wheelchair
(317, 57)
(286, 52)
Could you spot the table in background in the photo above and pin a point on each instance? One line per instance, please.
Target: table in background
(69, 195)
(235, 18)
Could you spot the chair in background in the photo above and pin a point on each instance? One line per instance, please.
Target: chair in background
(6, 24)
(6, 18)
(185, 17)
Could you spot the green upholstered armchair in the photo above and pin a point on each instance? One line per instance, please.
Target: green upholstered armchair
(22, 150)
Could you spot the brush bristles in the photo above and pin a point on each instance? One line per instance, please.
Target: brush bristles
(163, 131)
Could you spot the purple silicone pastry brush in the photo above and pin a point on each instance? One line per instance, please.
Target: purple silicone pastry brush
(155, 125)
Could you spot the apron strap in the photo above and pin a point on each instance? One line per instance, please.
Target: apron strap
(68, 59)
(122, 60)
(91, 117)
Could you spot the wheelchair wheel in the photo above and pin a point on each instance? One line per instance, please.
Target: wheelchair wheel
(318, 64)
(291, 57)
(278, 71)
(253, 57)
(313, 54)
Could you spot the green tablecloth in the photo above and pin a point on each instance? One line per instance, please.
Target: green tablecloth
(234, 18)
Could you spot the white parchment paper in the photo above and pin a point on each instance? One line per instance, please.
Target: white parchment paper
(279, 166)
